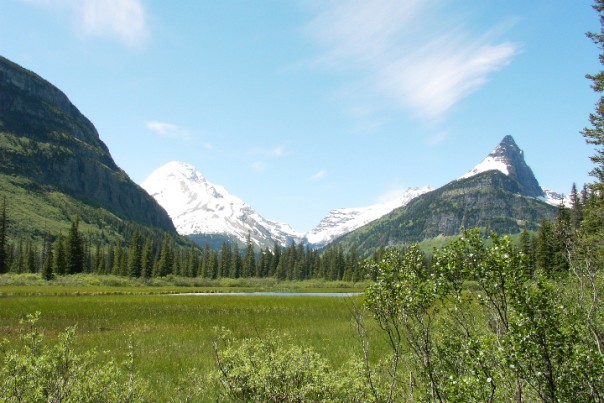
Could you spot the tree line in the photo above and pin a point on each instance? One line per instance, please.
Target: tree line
(147, 256)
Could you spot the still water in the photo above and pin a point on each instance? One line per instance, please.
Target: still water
(277, 294)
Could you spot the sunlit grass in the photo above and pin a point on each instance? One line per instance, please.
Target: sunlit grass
(173, 334)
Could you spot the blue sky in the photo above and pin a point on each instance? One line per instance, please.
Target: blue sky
(303, 106)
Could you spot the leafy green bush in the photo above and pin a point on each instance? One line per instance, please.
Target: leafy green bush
(268, 369)
(36, 372)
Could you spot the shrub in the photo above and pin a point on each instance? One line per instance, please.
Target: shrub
(38, 372)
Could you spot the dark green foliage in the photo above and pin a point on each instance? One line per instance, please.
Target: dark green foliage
(135, 256)
(59, 259)
(595, 135)
(47, 261)
(74, 249)
(163, 266)
(3, 238)
(147, 259)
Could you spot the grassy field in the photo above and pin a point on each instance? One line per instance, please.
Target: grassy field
(173, 334)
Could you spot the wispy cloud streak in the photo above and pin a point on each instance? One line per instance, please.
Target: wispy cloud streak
(412, 51)
(168, 130)
(122, 20)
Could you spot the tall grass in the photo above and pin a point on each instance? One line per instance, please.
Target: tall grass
(173, 334)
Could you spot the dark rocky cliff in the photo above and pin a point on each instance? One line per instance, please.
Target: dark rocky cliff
(45, 138)
(509, 152)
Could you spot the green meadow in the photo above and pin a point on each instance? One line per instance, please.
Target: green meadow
(173, 334)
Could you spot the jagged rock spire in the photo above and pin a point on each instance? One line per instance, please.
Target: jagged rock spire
(508, 158)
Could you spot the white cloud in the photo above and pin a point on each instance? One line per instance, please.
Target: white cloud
(413, 51)
(122, 20)
(319, 175)
(169, 130)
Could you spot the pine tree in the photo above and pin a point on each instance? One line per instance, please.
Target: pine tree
(75, 249)
(147, 259)
(213, 265)
(59, 259)
(135, 254)
(30, 258)
(225, 260)
(164, 264)
(20, 257)
(576, 208)
(116, 262)
(46, 272)
(99, 261)
(249, 260)
(3, 242)
(595, 134)
(235, 264)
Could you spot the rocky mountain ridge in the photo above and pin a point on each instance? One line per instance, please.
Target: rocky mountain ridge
(50, 148)
(499, 194)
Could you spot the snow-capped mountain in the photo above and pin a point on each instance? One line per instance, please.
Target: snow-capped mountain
(508, 158)
(342, 221)
(555, 198)
(197, 206)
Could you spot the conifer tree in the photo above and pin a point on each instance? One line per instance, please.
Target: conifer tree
(165, 262)
(59, 259)
(249, 260)
(20, 258)
(213, 265)
(225, 260)
(235, 264)
(592, 226)
(192, 264)
(595, 135)
(46, 272)
(3, 237)
(147, 259)
(75, 249)
(116, 263)
(135, 255)
(30, 258)
(99, 261)
(576, 208)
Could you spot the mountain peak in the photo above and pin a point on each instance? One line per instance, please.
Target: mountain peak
(183, 170)
(199, 207)
(508, 158)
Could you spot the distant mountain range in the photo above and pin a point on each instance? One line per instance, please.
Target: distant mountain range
(54, 166)
(208, 213)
